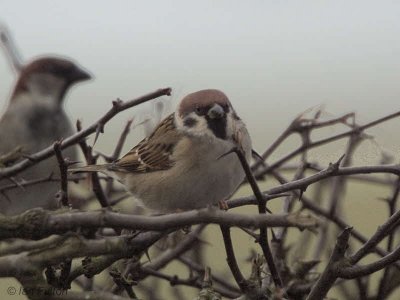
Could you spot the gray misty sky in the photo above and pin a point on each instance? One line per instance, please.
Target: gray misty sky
(274, 59)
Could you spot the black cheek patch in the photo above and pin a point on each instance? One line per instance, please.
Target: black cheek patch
(218, 127)
(235, 116)
(189, 122)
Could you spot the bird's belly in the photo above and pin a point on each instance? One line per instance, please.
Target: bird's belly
(194, 187)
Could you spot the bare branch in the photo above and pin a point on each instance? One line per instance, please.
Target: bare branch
(330, 274)
(231, 259)
(323, 142)
(38, 223)
(96, 186)
(262, 209)
(73, 139)
(10, 48)
(63, 173)
(171, 254)
(352, 272)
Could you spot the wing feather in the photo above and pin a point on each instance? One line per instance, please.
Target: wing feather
(154, 152)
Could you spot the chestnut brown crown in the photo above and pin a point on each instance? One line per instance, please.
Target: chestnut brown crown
(58, 67)
(202, 99)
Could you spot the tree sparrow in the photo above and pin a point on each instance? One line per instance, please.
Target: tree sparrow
(34, 119)
(181, 165)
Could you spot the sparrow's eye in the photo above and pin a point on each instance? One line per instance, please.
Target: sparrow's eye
(201, 111)
(225, 107)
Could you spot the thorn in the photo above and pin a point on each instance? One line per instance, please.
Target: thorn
(255, 154)
(117, 102)
(337, 164)
(78, 124)
(234, 149)
(99, 129)
(274, 237)
(302, 190)
(318, 114)
(146, 252)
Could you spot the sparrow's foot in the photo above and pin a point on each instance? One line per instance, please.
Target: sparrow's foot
(223, 205)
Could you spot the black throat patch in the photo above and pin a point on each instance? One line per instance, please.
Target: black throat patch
(218, 127)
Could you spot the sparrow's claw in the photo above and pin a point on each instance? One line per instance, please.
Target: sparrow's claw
(223, 205)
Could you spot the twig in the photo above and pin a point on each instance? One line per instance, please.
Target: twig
(215, 278)
(11, 50)
(338, 186)
(361, 178)
(123, 283)
(74, 247)
(251, 200)
(262, 209)
(191, 281)
(117, 152)
(384, 230)
(38, 223)
(330, 171)
(49, 178)
(323, 142)
(63, 173)
(171, 254)
(288, 204)
(330, 274)
(18, 246)
(310, 205)
(392, 203)
(300, 126)
(92, 266)
(117, 107)
(351, 272)
(96, 186)
(231, 259)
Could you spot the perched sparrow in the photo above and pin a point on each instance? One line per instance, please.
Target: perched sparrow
(35, 119)
(181, 165)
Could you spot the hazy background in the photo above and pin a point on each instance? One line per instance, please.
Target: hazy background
(274, 59)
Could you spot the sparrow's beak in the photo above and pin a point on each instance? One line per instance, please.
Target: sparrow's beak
(216, 112)
(80, 75)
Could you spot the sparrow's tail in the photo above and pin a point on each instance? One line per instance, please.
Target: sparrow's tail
(89, 168)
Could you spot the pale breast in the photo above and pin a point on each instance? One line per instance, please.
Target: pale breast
(198, 178)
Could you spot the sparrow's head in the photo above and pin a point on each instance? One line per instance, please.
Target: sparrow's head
(48, 77)
(207, 113)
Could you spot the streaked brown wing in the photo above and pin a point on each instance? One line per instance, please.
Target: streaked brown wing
(154, 152)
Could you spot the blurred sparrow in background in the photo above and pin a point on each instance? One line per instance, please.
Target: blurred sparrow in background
(35, 119)
(181, 165)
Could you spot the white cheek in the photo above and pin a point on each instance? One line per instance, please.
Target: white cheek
(199, 129)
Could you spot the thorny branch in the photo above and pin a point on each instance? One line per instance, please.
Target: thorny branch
(262, 209)
(38, 223)
(117, 107)
(63, 174)
(37, 239)
(90, 159)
